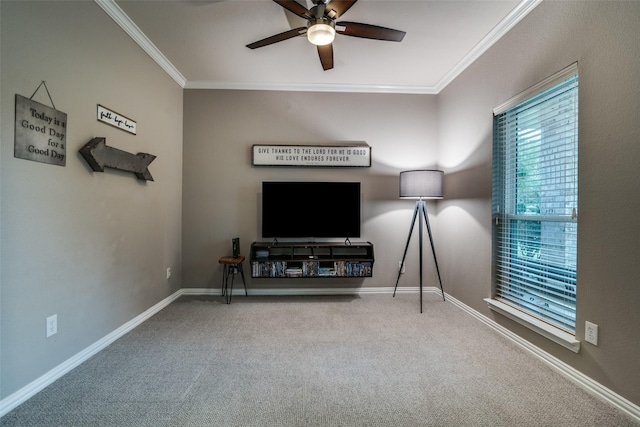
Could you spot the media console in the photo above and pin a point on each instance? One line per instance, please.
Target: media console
(288, 259)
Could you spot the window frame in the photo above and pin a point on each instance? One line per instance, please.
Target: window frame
(560, 331)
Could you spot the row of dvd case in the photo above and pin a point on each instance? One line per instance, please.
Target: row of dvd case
(311, 269)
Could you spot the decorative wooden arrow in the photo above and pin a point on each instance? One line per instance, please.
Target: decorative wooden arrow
(99, 155)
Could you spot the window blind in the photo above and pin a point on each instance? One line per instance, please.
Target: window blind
(535, 201)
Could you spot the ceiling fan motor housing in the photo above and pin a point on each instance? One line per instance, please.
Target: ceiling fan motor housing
(321, 31)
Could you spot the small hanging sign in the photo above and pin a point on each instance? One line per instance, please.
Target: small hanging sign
(40, 131)
(350, 155)
(112, 118)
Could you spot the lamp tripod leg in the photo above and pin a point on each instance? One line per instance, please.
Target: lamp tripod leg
(421, 204)
(433, 248)
(404, 256)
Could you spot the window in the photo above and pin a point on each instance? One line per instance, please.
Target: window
(535, 200)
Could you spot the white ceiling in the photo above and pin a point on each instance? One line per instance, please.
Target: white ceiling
(202, 44)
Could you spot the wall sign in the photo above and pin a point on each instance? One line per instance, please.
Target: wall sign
(350, 155)
(40, 132)
(99, 156)
(112, 118)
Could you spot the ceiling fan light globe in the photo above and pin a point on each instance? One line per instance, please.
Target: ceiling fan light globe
(321, 34)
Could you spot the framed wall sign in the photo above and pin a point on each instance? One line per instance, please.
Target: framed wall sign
(349, 155)
(112, 118)
(40, 132)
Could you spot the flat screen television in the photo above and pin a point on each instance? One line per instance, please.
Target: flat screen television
(310, 209)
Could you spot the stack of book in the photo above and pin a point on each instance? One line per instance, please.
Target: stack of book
(269, 269)
(294, 272)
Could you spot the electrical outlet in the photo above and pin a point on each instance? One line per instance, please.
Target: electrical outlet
(52, 325)
(402, 266)
(591, 333)
(169, 273)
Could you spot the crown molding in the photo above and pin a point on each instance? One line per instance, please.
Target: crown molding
(312, 87)
(117, 14)
(520, 11)
(121, 18)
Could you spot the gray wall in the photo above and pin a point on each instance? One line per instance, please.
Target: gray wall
(602, 37)
(93, 247)
(222, 190)
(89, 247)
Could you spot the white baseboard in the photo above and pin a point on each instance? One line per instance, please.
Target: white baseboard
(567, 371)
(572, 374)
(27, 392)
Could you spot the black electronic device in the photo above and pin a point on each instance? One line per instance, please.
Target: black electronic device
(310, 209)
(235, 246)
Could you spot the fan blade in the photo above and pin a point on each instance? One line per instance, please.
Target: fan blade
(295, 7)
(326, 56)
(339, 7)
(278, 38)
(368, 31)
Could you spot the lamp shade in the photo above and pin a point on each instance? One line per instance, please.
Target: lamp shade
(421, 184)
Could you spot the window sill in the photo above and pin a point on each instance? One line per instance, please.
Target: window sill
(554, 334)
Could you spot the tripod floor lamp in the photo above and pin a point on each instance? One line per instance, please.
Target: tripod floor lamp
(420, 184)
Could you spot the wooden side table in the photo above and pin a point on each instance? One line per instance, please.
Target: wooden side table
(230, 266)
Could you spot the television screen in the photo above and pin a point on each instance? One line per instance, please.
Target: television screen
(310, 209)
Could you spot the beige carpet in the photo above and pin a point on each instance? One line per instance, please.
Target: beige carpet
(369, 360)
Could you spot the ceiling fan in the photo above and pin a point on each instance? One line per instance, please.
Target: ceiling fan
(322, 27)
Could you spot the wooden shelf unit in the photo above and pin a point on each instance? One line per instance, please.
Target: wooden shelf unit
(310, 259)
